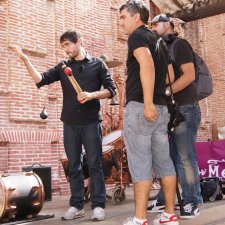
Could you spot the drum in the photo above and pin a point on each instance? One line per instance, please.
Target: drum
(114, 138)
(109, 160)
(22, 195)
(106, 149)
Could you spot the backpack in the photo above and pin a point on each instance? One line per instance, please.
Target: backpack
(203, 78)
(211, 189)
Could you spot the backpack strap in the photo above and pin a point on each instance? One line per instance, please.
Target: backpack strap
(172, 48)
(172, 54)
(212, 198)
(172, 51)
(171, 91)
(158, 44)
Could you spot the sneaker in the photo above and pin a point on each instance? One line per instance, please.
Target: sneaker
(73, 213)
(190, 211)
(162, 219)
(98, 214)
(129, 221)
(156, 207)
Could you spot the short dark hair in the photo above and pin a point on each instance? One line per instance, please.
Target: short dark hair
(70, 35)
(137, 6)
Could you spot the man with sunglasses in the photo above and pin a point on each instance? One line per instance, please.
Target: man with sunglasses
(182, 141)
(81, 119)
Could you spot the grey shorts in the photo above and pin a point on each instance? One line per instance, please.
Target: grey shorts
(147, 143)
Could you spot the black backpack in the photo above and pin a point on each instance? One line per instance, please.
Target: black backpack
(203, 78)
(211, 189)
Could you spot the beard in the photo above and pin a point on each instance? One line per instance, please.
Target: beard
(72, 55)
(169, 38)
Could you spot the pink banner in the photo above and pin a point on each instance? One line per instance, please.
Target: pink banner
(211, 159)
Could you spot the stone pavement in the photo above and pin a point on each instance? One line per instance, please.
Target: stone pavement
(210, 213)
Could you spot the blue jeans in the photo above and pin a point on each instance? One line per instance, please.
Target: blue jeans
(91, 137)
(183, 154)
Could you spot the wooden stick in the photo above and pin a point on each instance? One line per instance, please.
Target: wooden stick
(69, 73)
(75, 84)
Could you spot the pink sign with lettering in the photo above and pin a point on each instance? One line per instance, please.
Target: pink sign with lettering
(211, 159)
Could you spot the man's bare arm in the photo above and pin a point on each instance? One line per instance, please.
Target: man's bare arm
(186, 78)
(147, 75)
(30, 68)
(87, 96)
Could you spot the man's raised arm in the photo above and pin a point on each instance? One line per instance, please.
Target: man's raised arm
(30, 68)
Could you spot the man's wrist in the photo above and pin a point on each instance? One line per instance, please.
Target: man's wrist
(147, 105)
(25, 59)
(94, 95)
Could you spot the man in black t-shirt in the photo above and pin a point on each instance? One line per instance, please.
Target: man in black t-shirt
(182, 141)
(81, 121)
(146, 115)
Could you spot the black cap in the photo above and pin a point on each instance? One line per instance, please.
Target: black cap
(162, 18)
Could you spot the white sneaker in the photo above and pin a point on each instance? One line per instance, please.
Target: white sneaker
(164, 220)
(129, 221)
(98, 214)
(73, 213)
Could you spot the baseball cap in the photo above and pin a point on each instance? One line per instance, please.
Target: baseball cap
(162, 18)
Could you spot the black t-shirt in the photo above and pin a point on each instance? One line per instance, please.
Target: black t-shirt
(183, 54)
(143, 37)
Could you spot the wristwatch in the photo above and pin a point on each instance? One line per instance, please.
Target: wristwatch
(167, 92)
